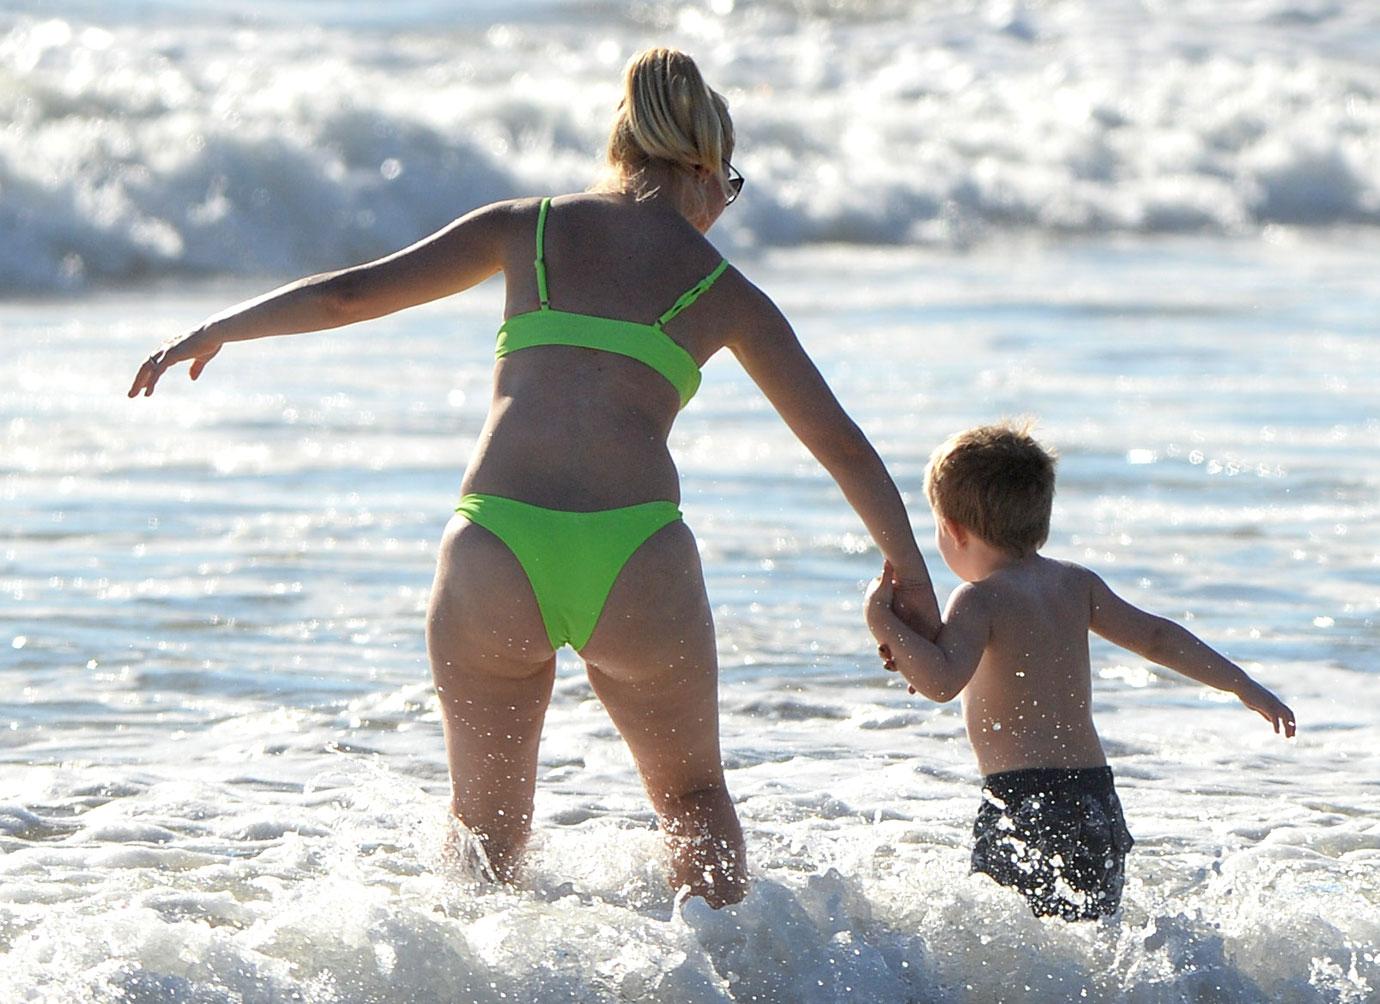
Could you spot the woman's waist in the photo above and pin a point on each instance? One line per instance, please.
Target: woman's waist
(554, 480)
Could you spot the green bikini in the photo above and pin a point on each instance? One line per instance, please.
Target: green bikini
(573, 558)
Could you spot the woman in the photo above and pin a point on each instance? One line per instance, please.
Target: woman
(568, 529)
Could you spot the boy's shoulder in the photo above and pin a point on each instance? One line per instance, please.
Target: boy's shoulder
(1076, 573)
(1048, 575)
(1038, 564)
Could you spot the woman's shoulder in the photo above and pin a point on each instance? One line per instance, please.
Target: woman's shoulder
(511, 222)
(510, 209)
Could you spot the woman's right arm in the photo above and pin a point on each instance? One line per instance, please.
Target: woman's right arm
(454, 258)
(766, 346)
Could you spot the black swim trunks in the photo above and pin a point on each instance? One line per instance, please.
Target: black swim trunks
(1058, 836)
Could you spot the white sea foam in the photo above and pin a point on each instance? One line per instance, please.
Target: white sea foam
(224, 142)
(860, 887)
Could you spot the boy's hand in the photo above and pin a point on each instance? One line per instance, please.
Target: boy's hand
(879, 598)
(882, 590)
(889, 662)
(1269, 707)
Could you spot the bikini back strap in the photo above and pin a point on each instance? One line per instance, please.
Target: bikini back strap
(692, 294)
(541, 255)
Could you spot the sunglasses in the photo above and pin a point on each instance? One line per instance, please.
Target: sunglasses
(735, 183)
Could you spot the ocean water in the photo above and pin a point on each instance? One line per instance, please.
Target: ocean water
(221, 769)
(165, 137)
(224, 776)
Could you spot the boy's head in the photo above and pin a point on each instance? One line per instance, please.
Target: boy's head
(996, 483)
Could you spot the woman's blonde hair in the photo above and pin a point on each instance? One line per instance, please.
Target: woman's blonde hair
(667, 113)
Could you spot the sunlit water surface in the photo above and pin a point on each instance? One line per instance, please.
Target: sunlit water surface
(224, 772)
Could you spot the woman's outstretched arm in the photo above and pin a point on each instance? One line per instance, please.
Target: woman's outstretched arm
(773, 357)
(454, 258)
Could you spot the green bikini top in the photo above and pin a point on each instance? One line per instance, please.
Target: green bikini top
(647, 343)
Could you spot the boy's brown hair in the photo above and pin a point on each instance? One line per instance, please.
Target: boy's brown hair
(995, 481)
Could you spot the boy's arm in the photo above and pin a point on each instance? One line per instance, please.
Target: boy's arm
(942, 668)
(1175, 647)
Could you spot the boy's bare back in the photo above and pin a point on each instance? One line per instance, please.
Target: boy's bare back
(1029, 704)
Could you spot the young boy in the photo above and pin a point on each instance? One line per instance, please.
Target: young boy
(1015, 644)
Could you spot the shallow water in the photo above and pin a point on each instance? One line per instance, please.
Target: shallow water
(224, 774)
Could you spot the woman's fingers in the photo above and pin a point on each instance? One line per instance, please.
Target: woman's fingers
(199, 363)
(171, 353)
(158, 365)
(148, 375)
(141, 378)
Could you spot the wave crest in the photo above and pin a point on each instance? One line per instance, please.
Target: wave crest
(136, 151)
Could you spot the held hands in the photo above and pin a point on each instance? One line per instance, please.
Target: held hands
(1269, 707)
(913, 601)
(881, 597)
(200, 347)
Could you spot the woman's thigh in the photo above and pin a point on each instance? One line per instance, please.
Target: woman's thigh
(493, 668)
(482, 608)
(652, 661)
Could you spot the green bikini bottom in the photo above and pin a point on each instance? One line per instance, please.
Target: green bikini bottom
(571, 558)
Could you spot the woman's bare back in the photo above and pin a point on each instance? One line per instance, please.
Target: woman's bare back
(577, 428)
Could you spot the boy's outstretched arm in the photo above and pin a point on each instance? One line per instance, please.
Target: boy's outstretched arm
(1175, 647)
(939, 669)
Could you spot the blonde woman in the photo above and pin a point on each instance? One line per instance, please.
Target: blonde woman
(568, 529)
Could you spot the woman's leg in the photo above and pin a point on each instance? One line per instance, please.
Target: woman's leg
(494, 669)
(652, 661)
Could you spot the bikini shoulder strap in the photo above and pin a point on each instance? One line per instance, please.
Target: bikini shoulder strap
(541, 255)
(692, 294)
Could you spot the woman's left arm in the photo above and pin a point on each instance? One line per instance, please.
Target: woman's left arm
(454, 258)
(767, 347)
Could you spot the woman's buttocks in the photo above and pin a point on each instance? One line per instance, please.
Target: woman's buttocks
(579, 430)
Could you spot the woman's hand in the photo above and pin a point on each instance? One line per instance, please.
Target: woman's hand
(913, 601)
(881, 595)
(200, 347)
